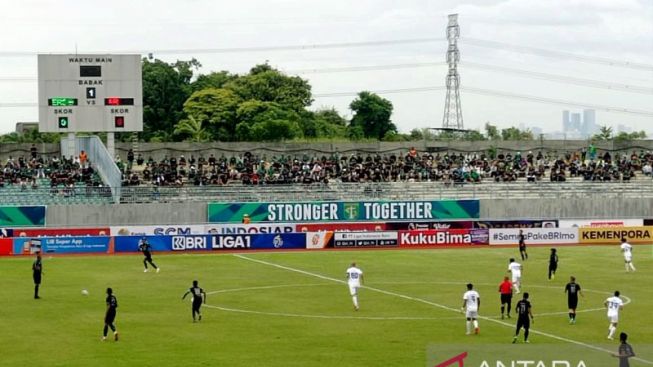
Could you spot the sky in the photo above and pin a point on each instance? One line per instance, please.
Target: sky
(522, 61)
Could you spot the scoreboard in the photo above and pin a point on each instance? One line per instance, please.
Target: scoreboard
(90, 93)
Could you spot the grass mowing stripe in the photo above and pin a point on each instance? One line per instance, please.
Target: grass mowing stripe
(552, 336)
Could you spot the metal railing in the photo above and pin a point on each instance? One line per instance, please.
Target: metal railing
(103, 162)
(385, 191)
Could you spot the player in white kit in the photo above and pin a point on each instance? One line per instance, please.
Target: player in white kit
(355, 281)
(515, 270)
(614, 305)
(471, 304)
(627, 249)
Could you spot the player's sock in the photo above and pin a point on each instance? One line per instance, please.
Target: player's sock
(468, 325)
(632, 266)
(105, 331)
(36, 291)
(571, 316)
(627, 268)
(526, 335)
(503, 308)
(612, 329)
(355, 299)
(476, 328)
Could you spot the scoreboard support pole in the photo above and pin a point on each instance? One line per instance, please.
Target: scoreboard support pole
(111, 145)
(72, 146)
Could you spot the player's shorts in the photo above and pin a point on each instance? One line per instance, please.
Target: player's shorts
(628, 258)
(522, 247)
(572, 303)
(523, 322)
(148, 256)
(37, 278)
(197, 305)
(110, 317)
(471, 314)
(506, 298)
(353, 289)
(516, 279)
(613, 318)
(553, 266)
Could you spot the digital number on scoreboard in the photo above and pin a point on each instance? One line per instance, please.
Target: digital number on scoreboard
(90, 93)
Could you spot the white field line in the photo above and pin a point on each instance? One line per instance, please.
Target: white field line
(399, 295)
(230, 290)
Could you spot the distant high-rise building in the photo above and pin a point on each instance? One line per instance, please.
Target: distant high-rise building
(575, 122)
(566, 122)
(590, 126)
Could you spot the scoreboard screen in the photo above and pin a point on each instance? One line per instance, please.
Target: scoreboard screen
(90, 93)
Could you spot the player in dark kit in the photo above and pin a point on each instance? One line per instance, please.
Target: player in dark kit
(146, 249)
(523, 310)
(199, 297)
(522, 246)
(573, 290)
(625, 351)
(37, 271)
(505, 288)
(110, 316)
(553, 264)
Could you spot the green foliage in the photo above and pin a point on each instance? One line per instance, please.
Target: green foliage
(30, 136)
(165, 89)
(325, 123)
(213, 80)
(605, 133)
(513, 133)
(216, 110)
(371, 115)
(266, 121)
(624, 137)
(267, 84)
(191, 129)
(492, 132)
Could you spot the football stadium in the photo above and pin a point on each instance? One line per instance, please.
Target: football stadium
(177, 204)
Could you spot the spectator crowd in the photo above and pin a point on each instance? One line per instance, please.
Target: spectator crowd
(412, 166)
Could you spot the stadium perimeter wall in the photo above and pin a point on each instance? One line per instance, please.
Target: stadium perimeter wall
(196, 212)
(158, 150)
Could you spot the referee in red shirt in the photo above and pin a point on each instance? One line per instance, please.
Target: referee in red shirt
(505, 288)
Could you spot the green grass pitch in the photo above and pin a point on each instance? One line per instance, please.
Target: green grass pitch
(264, 315)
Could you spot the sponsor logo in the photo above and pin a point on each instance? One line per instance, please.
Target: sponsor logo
(351, 210)
(167, 231)
(315, 240)
(616, 234)
(182, 243)
(231, 242)
(437, 238)
(277, 242)
(534, 236)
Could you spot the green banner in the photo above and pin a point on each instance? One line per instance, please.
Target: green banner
(334, 211)
(22, 216)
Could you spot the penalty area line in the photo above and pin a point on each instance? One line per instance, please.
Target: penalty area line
(420, 300)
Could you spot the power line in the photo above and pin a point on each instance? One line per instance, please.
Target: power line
(318, 46)
(495, 93)
(557, 54)
(533, 74)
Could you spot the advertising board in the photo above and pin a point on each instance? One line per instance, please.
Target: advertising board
(339, 211)
(553, 236)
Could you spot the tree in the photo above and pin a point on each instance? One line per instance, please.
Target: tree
(513, 133)
(372, 115)
(491, 131)
(192, 130)
(212, 80)
(605, 133)
(165, 89)
(216, 110)
(324, 123)
(624, 137)
(266, 121)
(267, 84)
